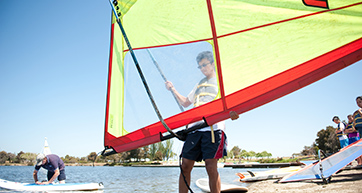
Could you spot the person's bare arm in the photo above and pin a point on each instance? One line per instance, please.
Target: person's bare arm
(184, 101)
(35, 176)
(56, 174)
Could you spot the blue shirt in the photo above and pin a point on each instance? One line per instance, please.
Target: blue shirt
(53, 162)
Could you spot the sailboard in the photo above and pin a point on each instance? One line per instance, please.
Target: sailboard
(263, 50)
(267, 175)
(18, 186)
(203, 184)
(330, 165)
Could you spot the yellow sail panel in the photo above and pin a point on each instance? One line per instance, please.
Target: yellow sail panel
(115, 106)
(151, 23)
(268, 49)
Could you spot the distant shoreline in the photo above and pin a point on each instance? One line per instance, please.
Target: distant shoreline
(175, 164)
(75, 164)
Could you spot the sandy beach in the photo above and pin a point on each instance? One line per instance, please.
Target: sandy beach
(345, 181)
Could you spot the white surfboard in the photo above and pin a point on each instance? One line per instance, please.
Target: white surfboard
(267, 175)
(50, 187)
(203, 184)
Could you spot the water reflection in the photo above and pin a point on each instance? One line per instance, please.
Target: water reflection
(122, 179)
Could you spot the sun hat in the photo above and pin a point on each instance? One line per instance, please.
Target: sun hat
(39, 159)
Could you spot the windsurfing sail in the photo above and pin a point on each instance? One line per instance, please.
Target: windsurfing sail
(262, 50)
(331, 164)
(46, 148)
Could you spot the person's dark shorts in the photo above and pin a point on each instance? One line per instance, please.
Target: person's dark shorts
(60, 177)
(198, 146)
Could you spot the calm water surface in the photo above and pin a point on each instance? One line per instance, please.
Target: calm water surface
(122, 179)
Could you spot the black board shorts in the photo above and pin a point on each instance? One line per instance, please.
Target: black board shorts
(60, 177)
(198, 146)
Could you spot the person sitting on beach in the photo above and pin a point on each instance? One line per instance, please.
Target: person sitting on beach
(343, 140)
(53, 164)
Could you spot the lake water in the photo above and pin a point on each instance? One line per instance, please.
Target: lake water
(123, 179)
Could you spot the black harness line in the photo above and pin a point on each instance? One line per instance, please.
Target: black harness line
(183, 175)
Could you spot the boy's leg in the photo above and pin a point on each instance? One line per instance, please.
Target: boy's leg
(214, 178)
(186, 166)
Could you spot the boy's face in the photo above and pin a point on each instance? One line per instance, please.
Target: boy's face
(206, 67)
(350, 119)
(359, 103)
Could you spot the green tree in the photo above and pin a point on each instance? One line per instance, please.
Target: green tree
(11, 157)
(152, 151)
(167, 150)
(114, 158)
(327, 140)
(310, 150)
(235, 151)
(28, 158)
(262, 154)
(244, 153)
(158, 156)
(70, 159)
(19, 159)
(252, 154)
(145, 152)
(124, 156)
(135, 154)
(92, 156)
(265, 154)
(269, 155)
(3, 157)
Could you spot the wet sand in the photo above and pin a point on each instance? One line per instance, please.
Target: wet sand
(346, 181)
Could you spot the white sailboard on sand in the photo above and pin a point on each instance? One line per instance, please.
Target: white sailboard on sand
(203, 184)
(267, 175)
(330, 165)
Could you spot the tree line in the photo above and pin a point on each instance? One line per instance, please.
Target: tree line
(155, 152)
(326, 140)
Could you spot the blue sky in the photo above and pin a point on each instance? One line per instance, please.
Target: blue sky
(53, 79)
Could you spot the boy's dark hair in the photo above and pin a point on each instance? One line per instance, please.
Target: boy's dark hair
(335, 118)
(205, 54)
(359, 97)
